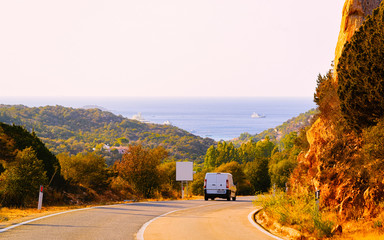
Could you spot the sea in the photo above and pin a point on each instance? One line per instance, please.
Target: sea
(217, 118)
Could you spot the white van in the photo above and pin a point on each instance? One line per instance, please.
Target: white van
(219, 185)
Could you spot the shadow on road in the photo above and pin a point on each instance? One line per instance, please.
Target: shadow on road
(224, 200)
(56, 225)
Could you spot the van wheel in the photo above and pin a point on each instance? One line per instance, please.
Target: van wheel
(205, 198)
(234, 199)
(229, 198)
(212, 198)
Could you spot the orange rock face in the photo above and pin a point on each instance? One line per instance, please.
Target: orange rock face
(310, 171)
(354, 13)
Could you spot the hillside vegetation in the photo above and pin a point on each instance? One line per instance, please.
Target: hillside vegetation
(25, 164)
(74, 131)
(295, 124)
(80, 170)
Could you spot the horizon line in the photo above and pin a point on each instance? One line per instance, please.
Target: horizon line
(110, 96)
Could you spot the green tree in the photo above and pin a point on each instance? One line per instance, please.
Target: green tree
(86, 169)
(288, 141)
(22, 178)
(280, 168)
(7, 150)
(210, 157)
(22, 139)
(265, 148)
(283, 163)
(326, 94)
(197, 186)
(239, 178)
(167, 175)
(224, 153)
(361, 74)
(233, 168)
(122, 141)
(257, 173)
(248, 152)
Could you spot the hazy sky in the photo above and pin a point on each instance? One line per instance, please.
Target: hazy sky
(166, 47)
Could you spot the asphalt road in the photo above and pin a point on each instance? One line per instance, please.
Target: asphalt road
(220, 219)
(193, 219)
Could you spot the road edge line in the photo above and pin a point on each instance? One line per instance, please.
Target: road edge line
(39, 218)
(251, 219)
(52, 215)
(140, 233)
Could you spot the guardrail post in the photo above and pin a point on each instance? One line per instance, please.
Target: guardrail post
(274, 189)
(40, 204)
(317, 198)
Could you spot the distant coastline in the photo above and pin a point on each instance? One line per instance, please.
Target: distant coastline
(215, 117)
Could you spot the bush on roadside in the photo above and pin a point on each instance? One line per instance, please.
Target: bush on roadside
(140, 168)
(197, 186)
(86, 169)
(296, 211)
(21, 180)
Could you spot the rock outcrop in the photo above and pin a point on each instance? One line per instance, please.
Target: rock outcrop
(308, 174)
(354, 13)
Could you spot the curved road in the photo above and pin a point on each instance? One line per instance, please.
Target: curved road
(219, 220)
(193, 219)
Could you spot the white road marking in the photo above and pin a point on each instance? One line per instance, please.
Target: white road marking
(140, 233)
(35, 219)
(252, 221)
(52, 215)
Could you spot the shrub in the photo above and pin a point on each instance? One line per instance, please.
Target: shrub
(257, 173)
(20, 139)
(197, 186)
(21, 179)
(86, 169)
(234, 168)
(139, 167)
(326, 96)
(298, 211)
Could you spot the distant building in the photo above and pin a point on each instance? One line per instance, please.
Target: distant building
(139, 118)
(108, 149)
(121, 150)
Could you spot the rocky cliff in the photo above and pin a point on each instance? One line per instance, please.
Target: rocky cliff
(313, 165)
(354, 13)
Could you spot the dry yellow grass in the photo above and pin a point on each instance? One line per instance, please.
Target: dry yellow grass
(366, 236)
(363, 235)
(296, 213)
(361, 230)
(352, 230)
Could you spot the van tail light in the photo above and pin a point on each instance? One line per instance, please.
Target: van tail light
(205, 183)
(227, 183)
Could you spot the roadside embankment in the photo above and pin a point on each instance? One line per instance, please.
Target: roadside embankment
(262, 219)
(358, 229)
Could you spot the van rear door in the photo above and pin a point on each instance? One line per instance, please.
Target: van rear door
(221, 180)
(211, 183)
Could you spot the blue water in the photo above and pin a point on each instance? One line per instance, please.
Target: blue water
(217, 118)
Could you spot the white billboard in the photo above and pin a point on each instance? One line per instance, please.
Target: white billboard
(184, 171)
